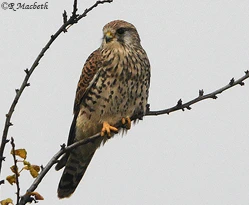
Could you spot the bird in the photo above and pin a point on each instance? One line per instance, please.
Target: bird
(113, 88)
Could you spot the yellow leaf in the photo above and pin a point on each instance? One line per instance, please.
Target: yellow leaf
(11, 179)
(36, 195)
(36, 167)
(33, 172)
(14, 169)
(26, 167)
(26, 163)
(20, 152)
(6, 201)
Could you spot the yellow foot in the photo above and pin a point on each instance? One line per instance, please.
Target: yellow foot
(107, 129)
(127, 122)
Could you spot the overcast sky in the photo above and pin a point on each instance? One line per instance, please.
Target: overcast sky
(193, 157)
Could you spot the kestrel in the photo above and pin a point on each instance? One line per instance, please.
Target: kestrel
(113, 88)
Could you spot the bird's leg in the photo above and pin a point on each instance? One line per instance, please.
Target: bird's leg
(127, 122)
(107, 128)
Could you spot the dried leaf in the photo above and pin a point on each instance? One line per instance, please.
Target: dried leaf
(26, 163)
(20, 152)
(33, 172)
(11, 179)
(36, 167)
(26, 167)
(36, 195)
(14, 169)
(6, 201)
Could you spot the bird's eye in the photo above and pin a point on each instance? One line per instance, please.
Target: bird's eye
(121, 31)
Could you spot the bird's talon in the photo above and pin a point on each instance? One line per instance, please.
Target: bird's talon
(127, 122)
(123, 121)
(107, 129)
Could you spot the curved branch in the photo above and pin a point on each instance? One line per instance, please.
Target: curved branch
(15, 171)
(212, 95)
(72, 20)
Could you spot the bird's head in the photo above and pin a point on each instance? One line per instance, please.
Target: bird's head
(118, 33)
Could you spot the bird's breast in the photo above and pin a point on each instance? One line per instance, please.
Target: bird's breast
(121, 89)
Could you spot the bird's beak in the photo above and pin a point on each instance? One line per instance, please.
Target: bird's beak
(108, 36)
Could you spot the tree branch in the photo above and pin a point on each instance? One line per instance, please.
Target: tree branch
(91, 8)
(15, 171)
(72, 20)
(212, 95)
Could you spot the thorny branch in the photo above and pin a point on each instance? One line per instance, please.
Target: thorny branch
(66, 24)
(212, 95)
(179, 106)
(16, 171)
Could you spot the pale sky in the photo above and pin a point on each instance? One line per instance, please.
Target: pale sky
(194, 157)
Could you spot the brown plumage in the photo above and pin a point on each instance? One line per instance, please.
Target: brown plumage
(113, 86)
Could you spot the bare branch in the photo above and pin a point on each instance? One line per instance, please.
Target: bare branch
(74, 13)
(64, 15)
(72, 20)
(212, 95)
(91, 8)
(15, 171)
(1, 182)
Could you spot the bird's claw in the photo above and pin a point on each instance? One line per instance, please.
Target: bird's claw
(107, 129)
(126, 121)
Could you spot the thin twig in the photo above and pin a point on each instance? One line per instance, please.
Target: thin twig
(212, 95)
(74, 13)
(15, 171)
(1, 182)
(72, 20)
(91, 8)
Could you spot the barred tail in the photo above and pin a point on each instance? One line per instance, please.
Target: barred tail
(74, 171)
(75, 162)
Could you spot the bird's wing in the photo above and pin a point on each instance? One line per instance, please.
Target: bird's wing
(88, 76)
